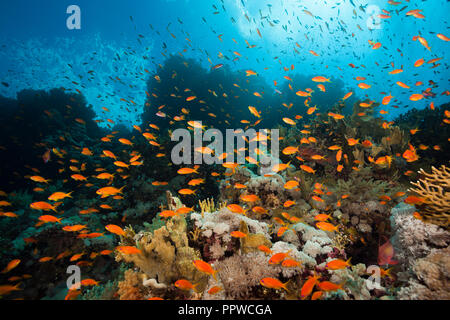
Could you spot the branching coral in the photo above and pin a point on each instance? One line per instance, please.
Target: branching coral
(208, 205)
(434, 189)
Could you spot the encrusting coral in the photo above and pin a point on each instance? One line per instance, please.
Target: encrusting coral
(434, 191)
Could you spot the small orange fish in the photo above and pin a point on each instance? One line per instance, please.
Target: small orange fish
(11, 265)
(128, 250)
(322, 217)
(308, 286)
(338, 264)
(414, 200)
(328, 286)
(49, 218)
(205, 267)
(273, 283)
(185, 285)
(214, 290)
(264, 249)
(325, 226)
(288, 203)
(277, 258)
(307, 169)
(249, 198)
(186, 191)
(290, 263)
(238, 234)
(115, 229)
(235, 208)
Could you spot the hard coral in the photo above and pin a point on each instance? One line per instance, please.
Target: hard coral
(166, 255)
(241, 274)
(130, 288)
(434, 188)
(431, 280)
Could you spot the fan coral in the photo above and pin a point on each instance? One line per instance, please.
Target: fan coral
(434, 188)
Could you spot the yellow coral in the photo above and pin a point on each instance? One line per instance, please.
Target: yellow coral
(166, 255)
(435, 190)
(253, 240)
(208, 205)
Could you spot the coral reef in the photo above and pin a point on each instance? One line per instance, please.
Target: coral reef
(423, 251)
(434, 192)
(166, 255)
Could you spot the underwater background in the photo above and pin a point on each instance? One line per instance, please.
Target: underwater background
(356, 207)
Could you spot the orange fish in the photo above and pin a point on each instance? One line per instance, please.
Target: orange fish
(11, 265)
(291, 184)
(74, 228)
(264, 249)
(273, 283)
(235, 208)
(185, 285)
(338, 264)
(214, 290)
(290, 263)
(49, 218)
(308, 286)
(238, 234)
(205, 267)
(115, 229)
(325, 226)
(249, 198)
(6, 289)
(328, 286)
(414, 200)
(277, 258)
(41, 205)
(307, 169)
(128, 250)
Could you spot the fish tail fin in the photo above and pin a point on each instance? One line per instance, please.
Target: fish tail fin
(120, 189)
(388, 272)
(214, 274)
(196, 289)
(69, 194)
(284, 286)
(348, 261)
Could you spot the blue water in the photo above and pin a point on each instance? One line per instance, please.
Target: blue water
(36, 46)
